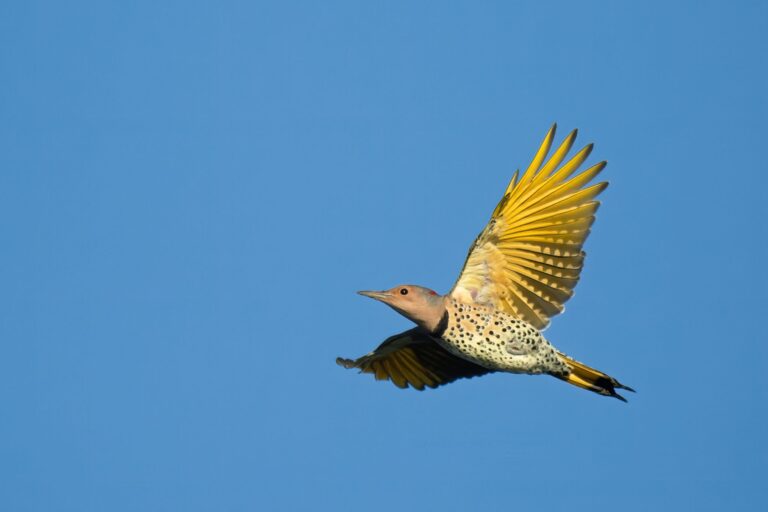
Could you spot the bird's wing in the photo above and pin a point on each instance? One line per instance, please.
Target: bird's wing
(528, 258)
(414, 358)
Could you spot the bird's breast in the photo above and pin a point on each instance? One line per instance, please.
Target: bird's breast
(495, 340)
(469, 333)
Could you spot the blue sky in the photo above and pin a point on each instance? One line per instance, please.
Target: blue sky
(191, 193)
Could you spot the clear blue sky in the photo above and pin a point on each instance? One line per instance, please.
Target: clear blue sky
(191, 193)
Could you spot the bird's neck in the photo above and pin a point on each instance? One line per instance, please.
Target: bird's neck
(442, 325)
(433, 317)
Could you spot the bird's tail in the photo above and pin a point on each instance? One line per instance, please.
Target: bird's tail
(585, 377)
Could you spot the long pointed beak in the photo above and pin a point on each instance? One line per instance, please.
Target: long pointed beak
(382, 296)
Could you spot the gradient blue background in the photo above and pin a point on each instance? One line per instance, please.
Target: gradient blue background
(191, 193)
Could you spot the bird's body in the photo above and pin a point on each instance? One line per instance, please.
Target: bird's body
(496, 340)
(519, 272)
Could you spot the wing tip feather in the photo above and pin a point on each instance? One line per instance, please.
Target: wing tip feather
(344, 362)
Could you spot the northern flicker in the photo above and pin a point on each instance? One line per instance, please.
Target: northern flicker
(519, 272)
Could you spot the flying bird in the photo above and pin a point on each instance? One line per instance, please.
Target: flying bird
(519, 273)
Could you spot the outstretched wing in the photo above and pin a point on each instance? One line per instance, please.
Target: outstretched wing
(528, 258)
(414, 358)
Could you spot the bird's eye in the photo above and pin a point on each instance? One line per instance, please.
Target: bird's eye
(403, 291)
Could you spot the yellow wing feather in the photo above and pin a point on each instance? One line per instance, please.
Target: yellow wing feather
(528, 258)
(413, 358)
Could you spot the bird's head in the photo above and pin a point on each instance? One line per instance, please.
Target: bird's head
(422, 305)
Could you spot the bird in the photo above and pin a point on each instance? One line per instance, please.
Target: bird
(518, 274)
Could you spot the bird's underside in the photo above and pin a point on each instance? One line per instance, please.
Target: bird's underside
(519, 272)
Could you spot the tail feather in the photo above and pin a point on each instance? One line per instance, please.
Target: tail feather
(593, 380)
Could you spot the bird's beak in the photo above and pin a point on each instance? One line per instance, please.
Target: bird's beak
(382, 296)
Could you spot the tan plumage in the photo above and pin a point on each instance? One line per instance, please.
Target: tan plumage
(520, 271)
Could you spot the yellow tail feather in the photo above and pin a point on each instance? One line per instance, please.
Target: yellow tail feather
(593, 380)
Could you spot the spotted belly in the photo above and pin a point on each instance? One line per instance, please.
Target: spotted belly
(493, 339)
